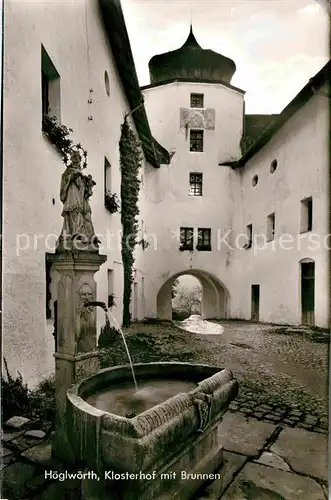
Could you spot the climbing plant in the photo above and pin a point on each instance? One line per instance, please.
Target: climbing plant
(130, 160)
(60, 137)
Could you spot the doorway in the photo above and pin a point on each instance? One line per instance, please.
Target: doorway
(308, 293)
(186, 295)
(213, 299)
(255, 310)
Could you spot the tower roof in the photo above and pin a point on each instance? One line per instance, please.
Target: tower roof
(191, 40)
(191, 62)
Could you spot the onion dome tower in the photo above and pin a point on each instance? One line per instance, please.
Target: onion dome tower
(191, 62)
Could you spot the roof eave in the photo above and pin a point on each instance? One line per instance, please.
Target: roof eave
(232, 164)
(196, 80)
(115, 28)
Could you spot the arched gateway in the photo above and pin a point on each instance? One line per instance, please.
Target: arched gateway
(215, 297)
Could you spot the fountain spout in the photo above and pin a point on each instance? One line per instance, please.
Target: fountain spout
(96, 303)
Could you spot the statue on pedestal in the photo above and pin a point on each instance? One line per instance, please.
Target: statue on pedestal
(76, 189)
(76, 260)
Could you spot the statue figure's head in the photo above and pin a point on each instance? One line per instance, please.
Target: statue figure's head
(75, 158)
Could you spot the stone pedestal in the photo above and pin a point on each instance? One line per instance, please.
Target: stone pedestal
(76, 356)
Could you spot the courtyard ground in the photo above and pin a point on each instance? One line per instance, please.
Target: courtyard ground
(278, 365)
(274, 438)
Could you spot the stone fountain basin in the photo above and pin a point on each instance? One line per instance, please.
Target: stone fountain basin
(152, 439)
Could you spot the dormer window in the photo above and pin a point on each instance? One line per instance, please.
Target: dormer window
(196, 100)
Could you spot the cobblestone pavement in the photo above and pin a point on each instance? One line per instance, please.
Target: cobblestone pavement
(278, 414)
(286, 366)
(289, 364)
(282, 370)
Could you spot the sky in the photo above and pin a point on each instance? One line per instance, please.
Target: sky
(277, 45)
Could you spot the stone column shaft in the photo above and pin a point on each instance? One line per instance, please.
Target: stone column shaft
(76, 356)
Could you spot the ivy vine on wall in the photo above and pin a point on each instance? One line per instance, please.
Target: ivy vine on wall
(130, 160)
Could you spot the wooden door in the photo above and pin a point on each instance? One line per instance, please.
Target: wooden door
(308, 293)
(255, 314)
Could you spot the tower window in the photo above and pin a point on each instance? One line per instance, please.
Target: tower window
(186, 238)
(306, 215)
(195, 185)
(50, 87)
(196, 100)
(204, 239)
(196, 140)
(271, 227)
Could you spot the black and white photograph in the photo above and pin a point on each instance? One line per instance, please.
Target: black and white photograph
(165, 247)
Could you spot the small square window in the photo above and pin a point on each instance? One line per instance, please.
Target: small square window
(306, 215)
(110, 288)
(204, 239)
(107, 175)
(196, 140)
(196, 100)
(186, 238)
(271, 227)
(195, 185)
(44, 93)
(249, 235)
(50, 87)
(111, 199)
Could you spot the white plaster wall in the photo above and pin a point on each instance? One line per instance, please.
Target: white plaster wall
(163, 105)
(230, 203)
(73, 36)
(168, 205)
(301, 149)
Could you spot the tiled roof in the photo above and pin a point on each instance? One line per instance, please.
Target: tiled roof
(254, 126)
(310, 89)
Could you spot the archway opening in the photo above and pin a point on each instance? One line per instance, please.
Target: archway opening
(214, 300)
(186, 295)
